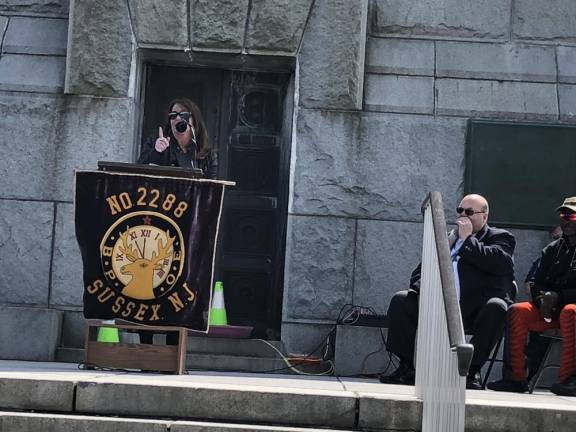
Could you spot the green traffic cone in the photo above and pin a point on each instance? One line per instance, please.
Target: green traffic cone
(218, 310)
(108, 334)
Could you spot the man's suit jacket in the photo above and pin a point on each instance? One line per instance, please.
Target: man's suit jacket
(485, 268)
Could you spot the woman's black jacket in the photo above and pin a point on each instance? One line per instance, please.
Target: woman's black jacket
(170, 157)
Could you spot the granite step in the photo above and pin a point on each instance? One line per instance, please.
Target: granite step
(25, 421)
(282, 401)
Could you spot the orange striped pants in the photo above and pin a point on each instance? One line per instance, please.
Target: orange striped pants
(525, 317)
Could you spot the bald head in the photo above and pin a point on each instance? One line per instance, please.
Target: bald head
(479, 205)
(478, 200)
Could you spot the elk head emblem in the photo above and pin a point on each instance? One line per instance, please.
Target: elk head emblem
(141, 285)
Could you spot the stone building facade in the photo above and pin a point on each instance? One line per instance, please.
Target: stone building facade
(383, 90)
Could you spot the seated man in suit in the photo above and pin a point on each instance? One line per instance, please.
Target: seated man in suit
(484, 277)
(553, 306)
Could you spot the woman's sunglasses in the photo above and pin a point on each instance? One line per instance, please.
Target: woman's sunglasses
(568, 216)
(468, 211)
(184, 115)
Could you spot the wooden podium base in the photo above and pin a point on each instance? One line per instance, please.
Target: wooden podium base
(163, 358)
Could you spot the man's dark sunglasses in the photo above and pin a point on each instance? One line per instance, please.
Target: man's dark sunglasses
(184, 115)
(568, 216)
(468, 211)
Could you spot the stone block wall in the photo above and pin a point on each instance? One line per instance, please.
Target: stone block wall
(32, 60)
(383, 92)
(45, 134)
(361, 170)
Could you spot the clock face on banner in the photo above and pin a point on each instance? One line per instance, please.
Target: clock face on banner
(142, 255)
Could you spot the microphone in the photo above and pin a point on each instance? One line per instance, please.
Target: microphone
(181, 127)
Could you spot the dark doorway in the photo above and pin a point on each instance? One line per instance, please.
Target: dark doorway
(248, 115)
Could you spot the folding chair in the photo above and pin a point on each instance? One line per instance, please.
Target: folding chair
(555, 337)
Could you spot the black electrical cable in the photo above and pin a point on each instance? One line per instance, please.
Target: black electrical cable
(355, 311)
(347, 311)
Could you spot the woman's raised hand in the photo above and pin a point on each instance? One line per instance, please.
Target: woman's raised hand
(161, 143)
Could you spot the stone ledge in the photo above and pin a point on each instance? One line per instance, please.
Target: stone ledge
(19, 421)
(16, 421)
(403, 412)
(183, 426)
(247, 403)
(487, 416)
(36, 394)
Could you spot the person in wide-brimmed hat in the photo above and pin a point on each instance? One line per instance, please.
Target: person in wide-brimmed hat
(553, 306)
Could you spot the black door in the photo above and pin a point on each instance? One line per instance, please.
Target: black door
(248, 115)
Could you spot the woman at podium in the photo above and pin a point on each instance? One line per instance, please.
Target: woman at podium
(182, 141)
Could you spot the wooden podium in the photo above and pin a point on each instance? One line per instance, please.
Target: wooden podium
(137, 230)
(149, 357)
(163, 358)
(129, 168)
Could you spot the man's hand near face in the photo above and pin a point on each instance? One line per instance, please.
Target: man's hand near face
(464, 227)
